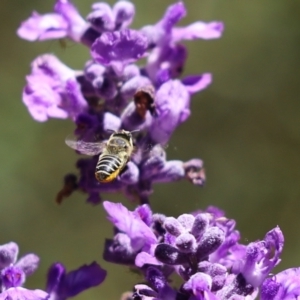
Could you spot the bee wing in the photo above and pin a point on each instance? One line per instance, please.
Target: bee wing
(87, 148)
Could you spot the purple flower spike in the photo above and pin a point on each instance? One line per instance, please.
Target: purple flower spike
(128, 222)
(43, 27)
(8, 254)
(283, 286)
(119, 48)
(198, 30)
(62, 286)
(172, 102)
(20, 293)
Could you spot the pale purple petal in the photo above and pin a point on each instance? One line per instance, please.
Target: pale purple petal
(131, 174)
(173, 107)
(197, 83)
(111, 122)
(42, 102)
(119, 48)
(198, 30)
(73, 101)
(144, 258)
(20, 293)
(198, 282)
(76, 24)
(127, 222)
(43, 27)
(8, 254)
(28, 263)
(101, 18)
(124, 12)
(173, 15)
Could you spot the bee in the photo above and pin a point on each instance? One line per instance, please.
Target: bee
(115, 154)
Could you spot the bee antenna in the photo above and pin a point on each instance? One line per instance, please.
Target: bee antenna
(136, 130)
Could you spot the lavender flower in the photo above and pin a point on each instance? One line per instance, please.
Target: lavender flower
(13, 274)
(112, 92)
(198, 247)
(60, 285)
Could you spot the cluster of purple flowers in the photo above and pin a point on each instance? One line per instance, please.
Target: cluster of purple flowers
(113, 92)
(60, 285)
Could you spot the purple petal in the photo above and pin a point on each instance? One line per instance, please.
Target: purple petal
(20, 293)
(210, 241)
(144, 258)
(124, 12)
(101, 18)
(169, 255)
(187, 221)
(173, 226)
(55, 276)
(145, 213)
(76, 24)
(28, 263)
(198, 30)
(52, 90)
(186, 243)
(173, 15)
(119, 250)
(262, 257)
(8, 254)
(73, 102)
(200, 225)
(198, 282)
(111, 122)
(83, 278)
(127, 222)
(131, 175)
(119, 48)
(197, 83)
(283, 286)
(12, 277)
(43, 27)
(171, 171)
(172, 102)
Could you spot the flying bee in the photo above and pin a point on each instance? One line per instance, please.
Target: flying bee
(115, 154)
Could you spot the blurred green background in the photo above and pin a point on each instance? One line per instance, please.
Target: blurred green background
(246, 127)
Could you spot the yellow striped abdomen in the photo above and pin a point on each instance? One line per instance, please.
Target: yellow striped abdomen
(108, 167)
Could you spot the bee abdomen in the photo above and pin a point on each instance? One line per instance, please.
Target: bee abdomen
(108, 168)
